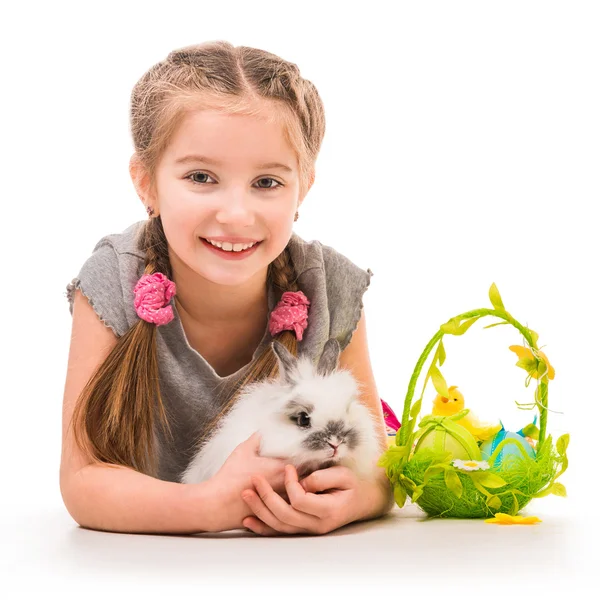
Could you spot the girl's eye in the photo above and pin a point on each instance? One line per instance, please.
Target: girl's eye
(263, 179)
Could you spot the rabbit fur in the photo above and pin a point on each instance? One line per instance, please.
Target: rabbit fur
(300, 415)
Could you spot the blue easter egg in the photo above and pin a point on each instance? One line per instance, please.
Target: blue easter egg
(489, 446)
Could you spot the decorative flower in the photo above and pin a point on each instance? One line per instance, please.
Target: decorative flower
(532, 364)
(471, 465)
(391, 420)
(504, 519)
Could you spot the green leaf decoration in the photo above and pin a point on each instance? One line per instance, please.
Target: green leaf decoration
(451, 326)
(433, 470)
(515, 508)
(489, 480)
(393, 456)
(532, 431)
(495, 298)
(543, 493)
(543, 450)
(494, 502)
(459, 415)
(416, 408)
(453, 482)
(557, 489)
(441, 353)
(454, 326)
(417, 493)
(408, 432)
(408, 483)
(439, 383)
(565, 464)
(529, 364)
(561, 444)
(496, 324)
(534, 336)
(399, 495)
(466, 325)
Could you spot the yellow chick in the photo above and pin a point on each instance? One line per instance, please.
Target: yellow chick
(446, 407)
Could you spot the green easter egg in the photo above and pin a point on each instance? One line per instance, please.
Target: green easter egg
(449, 436)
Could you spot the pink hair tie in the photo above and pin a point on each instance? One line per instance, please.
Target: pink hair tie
(291, 312)
(152, 295)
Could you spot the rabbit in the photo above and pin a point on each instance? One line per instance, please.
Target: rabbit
(311, 417)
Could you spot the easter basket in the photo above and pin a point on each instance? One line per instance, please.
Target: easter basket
(448, 468)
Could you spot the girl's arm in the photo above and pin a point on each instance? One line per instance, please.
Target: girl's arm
(355, 358)
(117, 498)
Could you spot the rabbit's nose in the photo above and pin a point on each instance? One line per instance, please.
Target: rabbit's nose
(334, 447)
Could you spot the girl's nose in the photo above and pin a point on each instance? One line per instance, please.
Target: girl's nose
(236, 210)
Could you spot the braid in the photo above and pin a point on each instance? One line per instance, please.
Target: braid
(115, 415)
(153, 243)
(282, 272)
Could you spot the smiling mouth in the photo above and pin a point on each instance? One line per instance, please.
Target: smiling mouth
(232, 252)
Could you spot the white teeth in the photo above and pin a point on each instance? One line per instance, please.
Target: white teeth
(229, 247)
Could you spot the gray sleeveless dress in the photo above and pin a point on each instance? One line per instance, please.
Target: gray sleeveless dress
(333, 284)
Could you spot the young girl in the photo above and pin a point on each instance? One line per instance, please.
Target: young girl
(176, 314)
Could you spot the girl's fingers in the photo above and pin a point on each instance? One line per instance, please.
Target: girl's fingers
(258, 527)
(340, 478)
(263, 512)
(320, 506)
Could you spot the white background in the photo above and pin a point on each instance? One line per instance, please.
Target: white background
(462, 149)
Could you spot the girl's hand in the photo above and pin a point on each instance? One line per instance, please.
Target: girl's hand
(227, 485)
(245, 461)
(309, 512)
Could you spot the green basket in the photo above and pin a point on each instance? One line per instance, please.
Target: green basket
(433, 477)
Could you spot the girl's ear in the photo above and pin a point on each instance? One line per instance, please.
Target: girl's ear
(141, 182)
(329, 358)
(287, 362)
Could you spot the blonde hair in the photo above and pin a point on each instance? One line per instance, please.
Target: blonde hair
(115, 415)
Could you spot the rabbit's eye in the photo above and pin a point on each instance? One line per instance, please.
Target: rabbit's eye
(303, 420)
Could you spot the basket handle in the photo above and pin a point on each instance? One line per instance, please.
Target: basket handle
(473, 316)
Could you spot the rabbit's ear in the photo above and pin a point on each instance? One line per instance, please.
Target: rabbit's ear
(287, 362)
(329, 358)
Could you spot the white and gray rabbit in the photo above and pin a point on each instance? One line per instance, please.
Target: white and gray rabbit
(311, 417)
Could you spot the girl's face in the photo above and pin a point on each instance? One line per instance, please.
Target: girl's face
(218, 179)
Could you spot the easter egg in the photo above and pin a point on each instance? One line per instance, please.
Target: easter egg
(489, 446)
(445, 435)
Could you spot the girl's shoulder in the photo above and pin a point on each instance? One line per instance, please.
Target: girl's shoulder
(335, 285)
(335, 265)
(108, 276)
